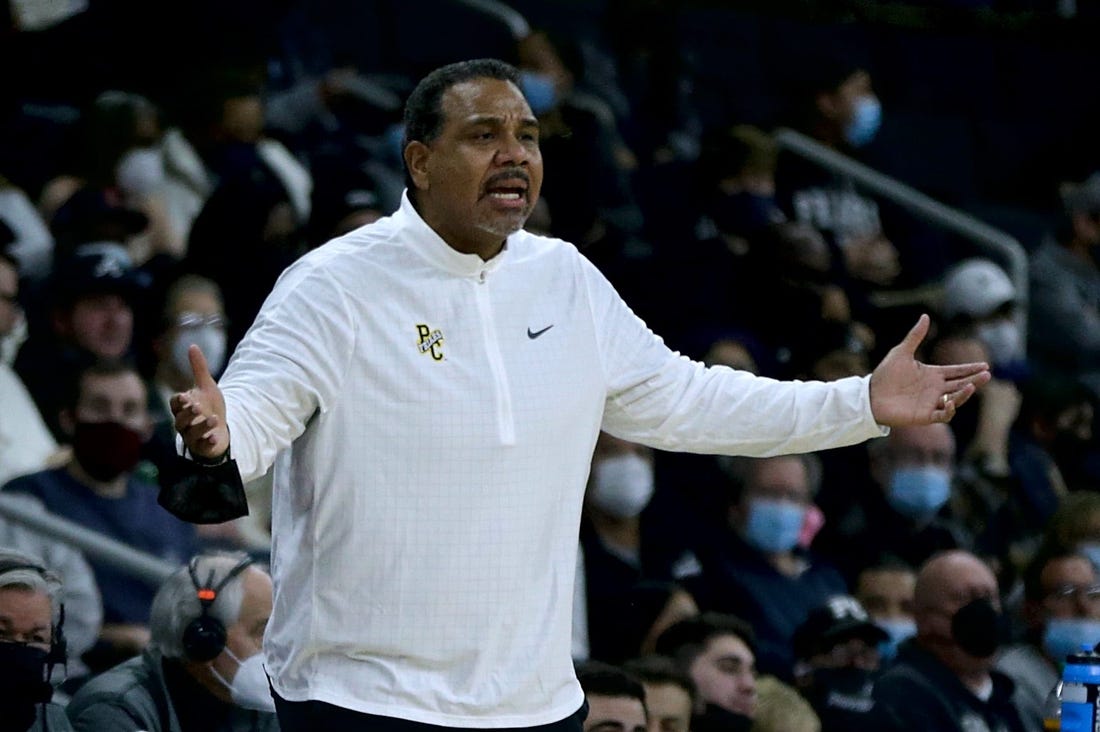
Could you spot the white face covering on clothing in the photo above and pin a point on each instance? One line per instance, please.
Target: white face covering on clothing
(249, 688)
(11, 342)
(622, 485)
(141, 171)
(210, 338)
(1002, 338)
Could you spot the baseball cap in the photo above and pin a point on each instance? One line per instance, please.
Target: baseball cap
(839, 619)
(975, 288)
(96, 268)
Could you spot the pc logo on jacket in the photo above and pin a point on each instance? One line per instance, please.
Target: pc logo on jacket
(431, 341)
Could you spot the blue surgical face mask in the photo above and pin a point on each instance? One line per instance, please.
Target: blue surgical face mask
(1064, 636)
(918, 493)
(1092, 551)
(899, 631)
(774, 526)
(539, 90)
(865, 122)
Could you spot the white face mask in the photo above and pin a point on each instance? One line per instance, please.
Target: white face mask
(1002, 338)
(249, 688)
(141, 171)
(622, 485)
(210, 338)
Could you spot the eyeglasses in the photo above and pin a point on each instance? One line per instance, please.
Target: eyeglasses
(1090, 593)
(197, 320)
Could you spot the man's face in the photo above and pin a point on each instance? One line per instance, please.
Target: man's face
(945, 585)
(245, 637)
(886, 594)
(117, 398)
(193, 309)
(840, 105)
(1071, 589)
(478, 181)
(669, 707)
(725, 674)
(925, 446)
(9, 291)
(101, 324)
(25, 617)
(775, 479)
(615, 714)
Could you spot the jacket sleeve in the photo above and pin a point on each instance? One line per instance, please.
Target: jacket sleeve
(105, 716)
(658, 397)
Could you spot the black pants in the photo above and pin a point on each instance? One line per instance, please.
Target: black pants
(315, 716)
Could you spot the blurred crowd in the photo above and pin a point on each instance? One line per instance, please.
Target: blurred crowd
(155, 182)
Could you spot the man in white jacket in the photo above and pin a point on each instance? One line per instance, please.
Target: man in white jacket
(432, 386)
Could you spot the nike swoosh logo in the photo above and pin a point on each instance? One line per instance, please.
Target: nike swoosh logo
(535, 334)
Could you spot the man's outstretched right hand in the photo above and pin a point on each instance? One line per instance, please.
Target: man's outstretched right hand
(199, 412)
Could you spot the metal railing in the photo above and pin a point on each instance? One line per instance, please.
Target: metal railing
(144, 566)
(993, 240)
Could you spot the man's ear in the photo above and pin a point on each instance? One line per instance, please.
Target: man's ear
(417, 155)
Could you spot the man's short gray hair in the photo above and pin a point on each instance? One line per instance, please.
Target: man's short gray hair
(176, 603)
(18, 569)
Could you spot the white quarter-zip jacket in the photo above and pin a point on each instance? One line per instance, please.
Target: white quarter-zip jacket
(434, 416)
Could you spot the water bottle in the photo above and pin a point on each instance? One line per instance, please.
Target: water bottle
(1052, 709)
(1081, 692)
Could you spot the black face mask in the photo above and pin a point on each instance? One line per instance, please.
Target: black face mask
(22, 684)
(855, 683)
(976, 628)
(718, 719)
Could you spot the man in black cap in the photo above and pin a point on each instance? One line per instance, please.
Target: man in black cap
(838, 658)
(91, 317)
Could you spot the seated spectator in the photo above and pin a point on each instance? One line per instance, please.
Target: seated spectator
(914, 469)
(716, 651)
(245, 235)
(944, 678)
(1064, 304)
(106, 415)
(79, 593)
(1062, 613)
(203, 670)
(979, 298)
(885, 590)
(32, 644)
(221, 135)
(838, 660)
(615, 558)
(118, 158)
(25, 443)
(754, 567)
(669, 692)
(90, 313)
(616, 700)
(838, 107)
(193, 314)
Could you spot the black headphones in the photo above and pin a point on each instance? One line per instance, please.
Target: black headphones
(59, 647)
(204, 637)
